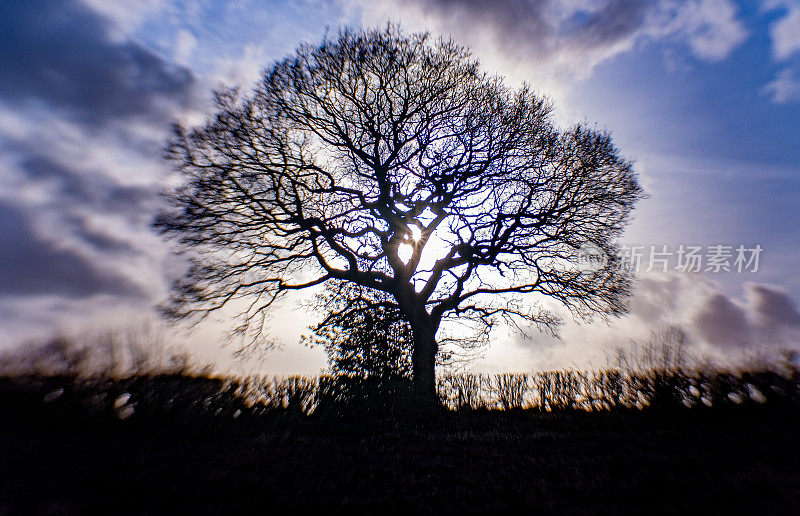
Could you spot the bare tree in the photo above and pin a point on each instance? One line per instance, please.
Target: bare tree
(393, 162)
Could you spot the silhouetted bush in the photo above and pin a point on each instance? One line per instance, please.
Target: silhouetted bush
(368, 343)
(160, 398)
(131, 375)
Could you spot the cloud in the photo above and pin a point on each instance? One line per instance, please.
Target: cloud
(785, 88)
(764, 315)
(711, 28)
(722, 323)
(785, 36)
(74, 187)
(32, 265)
(185, 44)
(61, 54)
(126, 14)
(772, 307)
(84, 111)
(785, 32)
(566, 39)
(720, 326)
(92, 194)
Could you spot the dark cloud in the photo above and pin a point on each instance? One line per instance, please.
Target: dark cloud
(60, 53)
(516, 16)
(539, 27)
(617, 20)
(32, 265)
(76, 187)
(99, 241)
(766, 315)
(78, 205)
(722, 323)
(74, 193)
(562, 41)
(64, 60)
(773, 307)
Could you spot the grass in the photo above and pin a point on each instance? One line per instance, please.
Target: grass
(176, 443)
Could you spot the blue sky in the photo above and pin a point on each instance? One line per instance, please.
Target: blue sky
(704, 95)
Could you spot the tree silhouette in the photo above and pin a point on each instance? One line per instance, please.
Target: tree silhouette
(392, 162)
(367, 340)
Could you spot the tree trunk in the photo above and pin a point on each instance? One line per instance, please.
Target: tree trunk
(424, 365)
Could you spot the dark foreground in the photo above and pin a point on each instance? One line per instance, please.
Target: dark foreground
(56, 458)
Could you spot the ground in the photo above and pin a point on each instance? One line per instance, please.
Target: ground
(62, 461)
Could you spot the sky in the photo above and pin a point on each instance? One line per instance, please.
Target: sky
(703, 95)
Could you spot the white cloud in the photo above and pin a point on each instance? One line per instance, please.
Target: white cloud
(784, 88)
(785, 35)
(785, 32)
(711, 28)
(185, 44)
(243, 69)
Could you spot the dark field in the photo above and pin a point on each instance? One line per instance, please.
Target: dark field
(186, 449)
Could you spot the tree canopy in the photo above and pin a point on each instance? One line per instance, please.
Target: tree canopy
(393, 162)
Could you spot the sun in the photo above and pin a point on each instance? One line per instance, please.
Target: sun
(416, 232)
